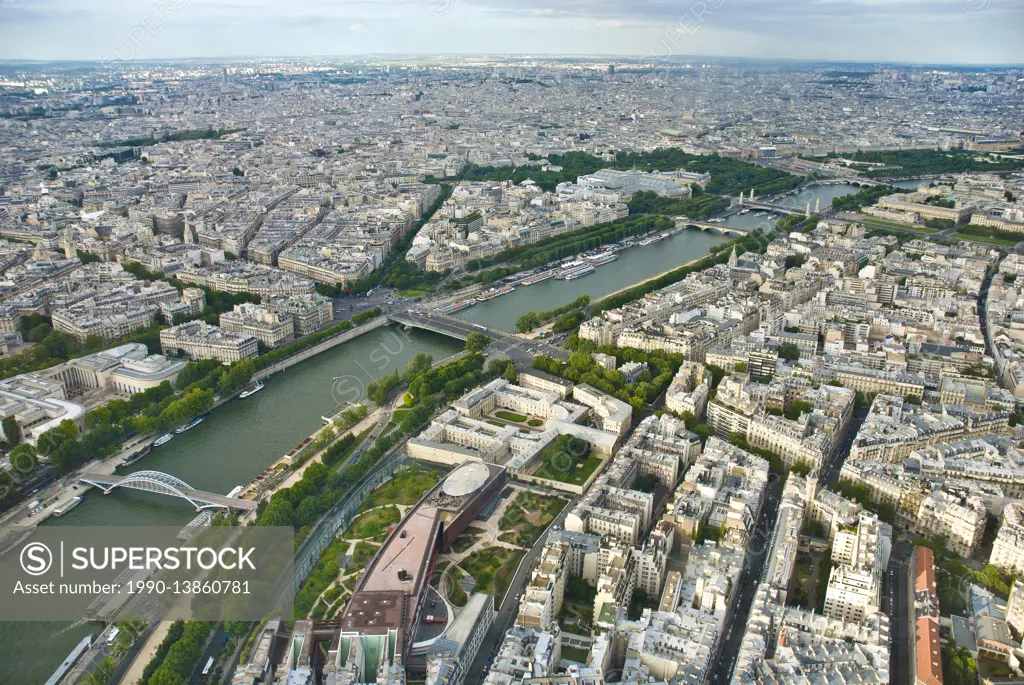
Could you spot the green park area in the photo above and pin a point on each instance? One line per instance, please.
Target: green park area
(988, 235)
(869, 222)
(577, 611)
(510, 416)
(527, 516)
(467, 539)
(988, 240)
(414, 292)
(567, 460)
(575, 654)
(373, 524)
(361, 555)
(492, 569)
(405, 488)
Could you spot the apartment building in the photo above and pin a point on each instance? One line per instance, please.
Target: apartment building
(541, 600)
(262, 323)
(860, 556)
(200, 340)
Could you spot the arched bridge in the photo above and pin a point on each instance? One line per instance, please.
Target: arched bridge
(164, 484)
(683, 222)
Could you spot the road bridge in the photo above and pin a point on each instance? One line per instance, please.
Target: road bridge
(683, 222)
(164, 484)
(782, 209)
(520, 350)
(443, 324)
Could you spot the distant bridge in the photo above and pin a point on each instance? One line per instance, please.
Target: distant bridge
(845, 180)
(164, 484)
(683, 222)
(782, 209)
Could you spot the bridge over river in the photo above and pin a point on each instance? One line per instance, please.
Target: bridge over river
(164, 484)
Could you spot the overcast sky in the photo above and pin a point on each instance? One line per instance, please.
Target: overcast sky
(934, 31)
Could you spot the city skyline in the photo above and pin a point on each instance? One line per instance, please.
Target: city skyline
(969, 32)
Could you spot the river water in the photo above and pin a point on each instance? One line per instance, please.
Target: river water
(634, 264)
(234, 445)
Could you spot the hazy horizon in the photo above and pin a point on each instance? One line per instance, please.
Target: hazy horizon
(953, 32)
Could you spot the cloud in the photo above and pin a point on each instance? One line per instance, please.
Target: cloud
(356, 28)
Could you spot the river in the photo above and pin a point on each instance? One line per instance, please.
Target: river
(634, 264)
(235, 443)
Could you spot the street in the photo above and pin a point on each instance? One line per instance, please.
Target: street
(753, 567)
(900, 612)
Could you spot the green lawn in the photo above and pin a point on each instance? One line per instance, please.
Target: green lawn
(534, 423)
(406, 487)
(998, 242)
(374, 523)
(882, 222)
(361, 556)
(492, 569)
(413, 292)
(509, 416)
(526, 518)
(575, 654)
(463, 542)
(577, 476)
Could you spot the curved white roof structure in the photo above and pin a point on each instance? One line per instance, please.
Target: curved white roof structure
(466, 479)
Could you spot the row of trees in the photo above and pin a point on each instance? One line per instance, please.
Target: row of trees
(581, 368)
(182, 653)
(867, 196)
(700, 206)
(921, 162)
(567, 322)
(531, 320)
(379, 389)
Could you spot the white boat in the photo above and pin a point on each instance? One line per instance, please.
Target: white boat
(579, 272)
(251, 391)
(744, 211)
(67, 506)
(601, 260)
(163, 440)
(189, 426)
(70, 661)
(494, 292)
